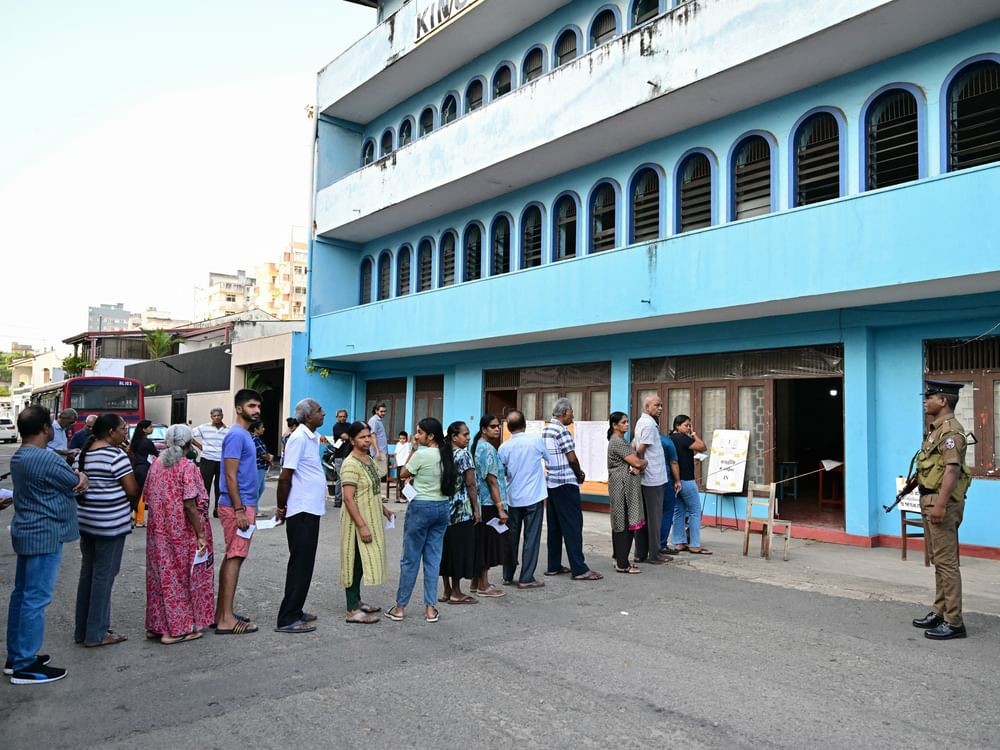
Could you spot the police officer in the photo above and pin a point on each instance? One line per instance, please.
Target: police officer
(943, 479)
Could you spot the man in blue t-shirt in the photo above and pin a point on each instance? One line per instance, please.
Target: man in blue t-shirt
(237, 507)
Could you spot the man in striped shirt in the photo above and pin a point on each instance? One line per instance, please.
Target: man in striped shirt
(208, 439)
(44, 520)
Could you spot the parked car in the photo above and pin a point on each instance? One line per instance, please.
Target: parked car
(158, 435)
(8, 431)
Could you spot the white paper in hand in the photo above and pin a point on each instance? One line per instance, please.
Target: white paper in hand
(390, 523)
(408, 492)
(495, 523)
(248, 533)
(266, 523)
(5, 494)
(200, 557)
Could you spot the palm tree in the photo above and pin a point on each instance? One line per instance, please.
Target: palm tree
(159, 342)
(254, 383)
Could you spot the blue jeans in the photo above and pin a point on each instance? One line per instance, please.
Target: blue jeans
(530, 517)
(565, 525)
(261, 479)
(100, 563)
(34, 581)
(669, 501)
(423, 537)
(688, 504)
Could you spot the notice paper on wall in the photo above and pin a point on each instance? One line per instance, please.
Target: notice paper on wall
(592, 449)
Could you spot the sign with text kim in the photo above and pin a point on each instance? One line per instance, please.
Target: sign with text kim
(433, 15)
(727, 462)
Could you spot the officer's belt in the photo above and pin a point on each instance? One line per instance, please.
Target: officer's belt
(926, 491)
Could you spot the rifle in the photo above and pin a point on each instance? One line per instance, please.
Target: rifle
(907, 489)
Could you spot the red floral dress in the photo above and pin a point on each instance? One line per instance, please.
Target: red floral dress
(180, 597)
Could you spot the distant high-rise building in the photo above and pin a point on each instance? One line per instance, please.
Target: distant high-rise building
(226, 294)
(151, 318)
(106, 317)
(281, 285)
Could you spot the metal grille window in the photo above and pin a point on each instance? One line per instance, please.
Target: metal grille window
(974, 116)
(366, 281)
(387, 143)
(403, 272)
(448, 259)
(534, 65)
(384, 275)
(474, 96)
(531, 238)
(426, 121)
(646, 206)
(604, 28)
(500, 246)
(424, 266)
(502, 81)
(472, 249)
(695, 192)
(817, 160)
(566, 47)
(405, 132)
(893, 141)
(752, 178)
(449, 109)
(644, 10)
(602, 219)
(368, 153)
(565, 228)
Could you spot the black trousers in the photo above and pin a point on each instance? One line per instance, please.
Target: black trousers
(564, 516)
(210, 472)
(621, 545)
(302, 531)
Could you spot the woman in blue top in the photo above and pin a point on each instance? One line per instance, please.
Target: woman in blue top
(492, 548)
(458, 559)
(432, 469)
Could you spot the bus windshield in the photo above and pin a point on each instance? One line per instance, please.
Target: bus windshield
(98, 398)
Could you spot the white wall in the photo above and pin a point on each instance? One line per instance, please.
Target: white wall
(158, 409)
(200, 404)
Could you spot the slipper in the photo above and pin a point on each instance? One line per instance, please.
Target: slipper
(243, 617)
(506, 583)
(492, 592)
(393, 616)
(466, 599)
(631, 570)
(443, 598)
(699, 551)
(562, 571)
(590, 575)
(306, 617)
(368, 609)
(433, 618)
(151, 636)
(362, 618)
(109, 640)
(241, 627)
(193, 636)
(299, 626)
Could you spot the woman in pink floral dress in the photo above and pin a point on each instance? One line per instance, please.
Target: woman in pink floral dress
(180, 595)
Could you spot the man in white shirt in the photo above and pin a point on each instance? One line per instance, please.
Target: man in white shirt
(523, 457)
(60, 437)
(208, 439)
(653, 478)
(301, 504)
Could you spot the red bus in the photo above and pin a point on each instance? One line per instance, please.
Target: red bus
(93, 395)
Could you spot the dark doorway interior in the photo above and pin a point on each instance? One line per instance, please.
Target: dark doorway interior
(269, 379)
(178, 407)
(809, 428)
(498, 403)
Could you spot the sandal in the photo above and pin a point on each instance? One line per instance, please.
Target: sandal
(109, 640)
(368, 609)
(432, 618)
(630, 570)
(492, 592)
(698, 551)
(563, 570)
(466, 599)
(362, 618)
(590, 575)
(192, 636)
(391, 614)
(240, 628)
(299, 626)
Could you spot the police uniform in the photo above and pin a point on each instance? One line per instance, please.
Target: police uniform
(944, 446)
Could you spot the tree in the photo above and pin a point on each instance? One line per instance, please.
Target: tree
(159, 342)
(254, 383)
(74, 365)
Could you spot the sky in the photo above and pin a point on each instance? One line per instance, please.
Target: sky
(144, 144)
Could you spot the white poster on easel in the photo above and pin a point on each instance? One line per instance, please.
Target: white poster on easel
(592, 449)
(909, 502)
(727, 462)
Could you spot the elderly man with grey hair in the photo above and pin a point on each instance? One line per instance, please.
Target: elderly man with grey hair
(60, 438)
(80, 438)
(301, 504)
(564, 514)
(208, 439)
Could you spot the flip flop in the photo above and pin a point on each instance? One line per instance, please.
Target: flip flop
(240, 628)
(299, 626)
(368, 609)
(443, 598)
(109, 640)
(362, 618)
(562, 571)
(193, 636)
(433, 618)
(699, 551)
(491, 593)
(464, 600)
(393, 616)
(590, 575)
(631, 570)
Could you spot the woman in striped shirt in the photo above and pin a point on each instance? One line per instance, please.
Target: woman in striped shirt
(105, 516)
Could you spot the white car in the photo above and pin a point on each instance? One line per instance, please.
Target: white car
(8, 431)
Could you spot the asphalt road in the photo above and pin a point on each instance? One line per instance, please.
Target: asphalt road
(674, 657)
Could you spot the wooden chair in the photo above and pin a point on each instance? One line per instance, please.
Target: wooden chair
(392, 477)
(763, 496)
(910, 518)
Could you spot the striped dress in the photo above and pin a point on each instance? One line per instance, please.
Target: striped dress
(104, 510)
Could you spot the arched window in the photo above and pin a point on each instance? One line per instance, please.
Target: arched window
(752, 177)
(384, 275)
(644, 10)
(694, 192)
(449, 109)
(566, 47)
(817, 159)
(502, 81)
(405, 132)
(472, 247)
(892, 141)
(565, 213)
(425, 264)
(531, 237)
(474, 96)
(604, 28)
(974, 116)
(602, 218)
(403, 271)
(387, 142)
(534, 64)
(426, 121)
(368, 153)
(645, 206)
(366, 281)
(448, 258)
(500, 246)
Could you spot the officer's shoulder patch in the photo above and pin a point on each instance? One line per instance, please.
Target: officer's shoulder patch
(950, 443)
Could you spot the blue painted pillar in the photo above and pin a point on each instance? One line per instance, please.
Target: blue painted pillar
(860, 437)
(410, 402)
(465, 400)
(621, 383)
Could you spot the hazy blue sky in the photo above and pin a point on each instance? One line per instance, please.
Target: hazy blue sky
(143, 144)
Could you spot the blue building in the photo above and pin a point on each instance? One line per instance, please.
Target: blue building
(780, 216)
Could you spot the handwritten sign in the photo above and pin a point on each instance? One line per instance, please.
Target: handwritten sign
(727, 463)
(592, 449)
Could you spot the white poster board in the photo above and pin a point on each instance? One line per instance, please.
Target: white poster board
(534, 427)
(592, 449)
(909, 502)
(727, 462)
